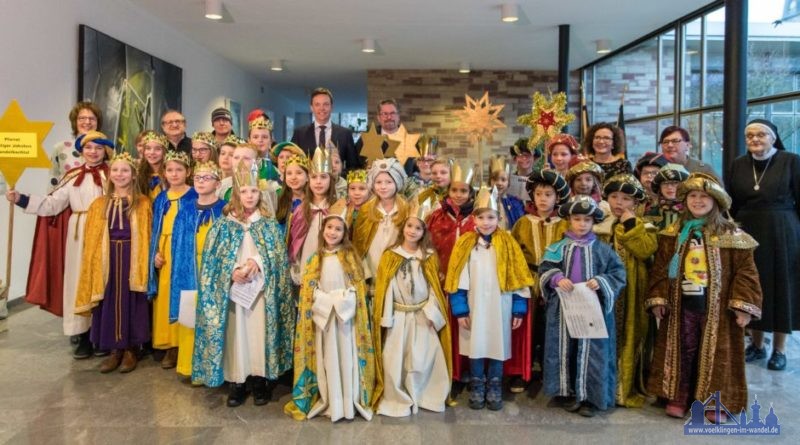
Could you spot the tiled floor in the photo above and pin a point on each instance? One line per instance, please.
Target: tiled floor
(46, 397)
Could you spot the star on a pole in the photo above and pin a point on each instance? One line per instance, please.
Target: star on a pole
(547, 117)
(372, 144)
(479, 118)
(21, 143)
(407, 145)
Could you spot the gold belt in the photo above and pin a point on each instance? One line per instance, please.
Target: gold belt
(400, 307)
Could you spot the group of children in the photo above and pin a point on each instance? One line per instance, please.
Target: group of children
(384, 301)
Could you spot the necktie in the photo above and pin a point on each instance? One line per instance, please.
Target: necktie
(321, 136)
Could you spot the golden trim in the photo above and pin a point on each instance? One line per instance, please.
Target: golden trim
(400, 307)
(744, 306)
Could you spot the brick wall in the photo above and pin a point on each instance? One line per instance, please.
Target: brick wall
(428, 99)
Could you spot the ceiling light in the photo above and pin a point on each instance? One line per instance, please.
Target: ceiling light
(603, 46)
(276, 65)
(214, 9)
(508, 12)
(463, 68)
(368, 45)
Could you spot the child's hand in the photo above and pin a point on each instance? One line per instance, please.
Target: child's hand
(593, 284)
(240, 275)
(660, 311)
(12, 196)
(565, 284)
(159, 260)
(742, 318)
(252, 269)
(464, 322)
(626, 215)
(516, 322)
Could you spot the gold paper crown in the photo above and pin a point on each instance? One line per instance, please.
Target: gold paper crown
(260, 123)
(497, 164)
(152, 136)
(245, 175)
(301, 160)
(421, 210)
(125, 157)
(205, 137)
(428, 146)
(460, 173)
(338, 210)
(207, 167)
(232, 140)
(177, 156)
(357, 176)
(321, 162)
(486, 199)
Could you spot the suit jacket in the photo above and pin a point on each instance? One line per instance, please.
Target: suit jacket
(305, 138)
(410, 166)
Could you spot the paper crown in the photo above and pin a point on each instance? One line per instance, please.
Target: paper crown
(625, 183)
(321, 162)
(205, 137)
(461, 173)
(152, 136)
(421, 210)
(499, 164)
(260, 123)
(124, 157)
(177, 156)
(705, 183)
(357, 176)
(207, 167)
(245, 175)
(299, 160)
(428, 146)
(338, 210)
(232, 140)
(486, 199)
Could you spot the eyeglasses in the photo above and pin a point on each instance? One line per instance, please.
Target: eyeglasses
(750, 136)
(388, 114)
(671, 141)
(200, 149)
(86, 119)
(204, 178)
(603, 138)
(173, 122)
(649, 174)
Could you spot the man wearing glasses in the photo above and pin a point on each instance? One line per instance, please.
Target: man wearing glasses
(675, 145)
(389, 125)
(173, 125)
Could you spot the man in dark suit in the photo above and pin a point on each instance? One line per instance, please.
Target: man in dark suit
(322, 131)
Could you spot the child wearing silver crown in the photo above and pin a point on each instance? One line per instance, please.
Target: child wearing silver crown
(334, 357)
(580, 373)
(488, 281)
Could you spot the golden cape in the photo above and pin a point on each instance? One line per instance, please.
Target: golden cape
(367, 221)
(512, 269)
(389, 265)
(533, 237)
(96, 245)
(305, 389)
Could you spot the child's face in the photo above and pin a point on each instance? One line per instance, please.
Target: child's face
(176, 173)
(93, 153)
(699, 203)
(560, 155)
(413, 230)
(486, 222)
(581, 224)
(501, 182)
(336, 163)
(296, 177)
(424, 165)
(244, 154)
(357, 193)
(524, 161)
(669, 190)
(226, 158)
(121, 175)
(201, 152)
(250, 196)
(283, 156)
(583, 184)
(154, 153)
(205, 183)
(648, 173)
(544, 198)
(384, 186)
(458, 193)
(333, 232)
(262, 139)
(319, 183)
(440, 174)
(620, 202)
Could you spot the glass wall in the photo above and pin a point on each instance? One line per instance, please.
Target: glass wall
(651, 79)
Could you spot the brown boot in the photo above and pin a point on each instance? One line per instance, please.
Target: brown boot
(111, 362)
(128, 361)
(170, 359)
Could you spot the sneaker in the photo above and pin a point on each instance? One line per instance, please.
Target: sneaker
(777, 362)
(751, 353)
(587, 410)
(494, 394)
(561, 402)
(517, 385)
(84, 349)
(573, 407)
(477, 393)
(261, 392)
(237, 394)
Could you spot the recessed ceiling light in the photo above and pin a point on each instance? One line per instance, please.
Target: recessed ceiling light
(214, 9)
(603, 46)
(276, 65)
(368, 45)
(509, 12)
(463, 68)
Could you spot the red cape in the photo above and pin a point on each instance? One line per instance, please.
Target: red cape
(45, 286)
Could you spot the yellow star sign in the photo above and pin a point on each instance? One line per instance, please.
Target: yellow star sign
(407, 145)
(21, 143)
(372, 144)
(391, 147)
(479, 118)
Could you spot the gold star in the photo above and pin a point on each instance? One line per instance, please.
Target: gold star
(479, 118)
(391, 147)
(407, 145)
(21, 143)
(371, 145)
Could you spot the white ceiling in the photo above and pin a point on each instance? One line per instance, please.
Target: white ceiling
(319, 40)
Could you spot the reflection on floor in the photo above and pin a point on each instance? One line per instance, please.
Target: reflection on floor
(47, 397)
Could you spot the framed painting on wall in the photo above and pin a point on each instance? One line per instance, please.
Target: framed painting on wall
(131, 87)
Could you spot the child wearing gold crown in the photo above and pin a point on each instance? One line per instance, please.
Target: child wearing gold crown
(334, 357)
(295, 180)
(357, 194)
(580, 373)
(411, 333)
(704, 287)
(488, 281)
(204, 148)
(511, 208)
(149, 177)
(439, 182)
(113, 281)
(245, 313)
(58, 241)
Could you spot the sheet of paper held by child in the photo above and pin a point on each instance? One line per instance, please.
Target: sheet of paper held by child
(582, 312)
(245, 294)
